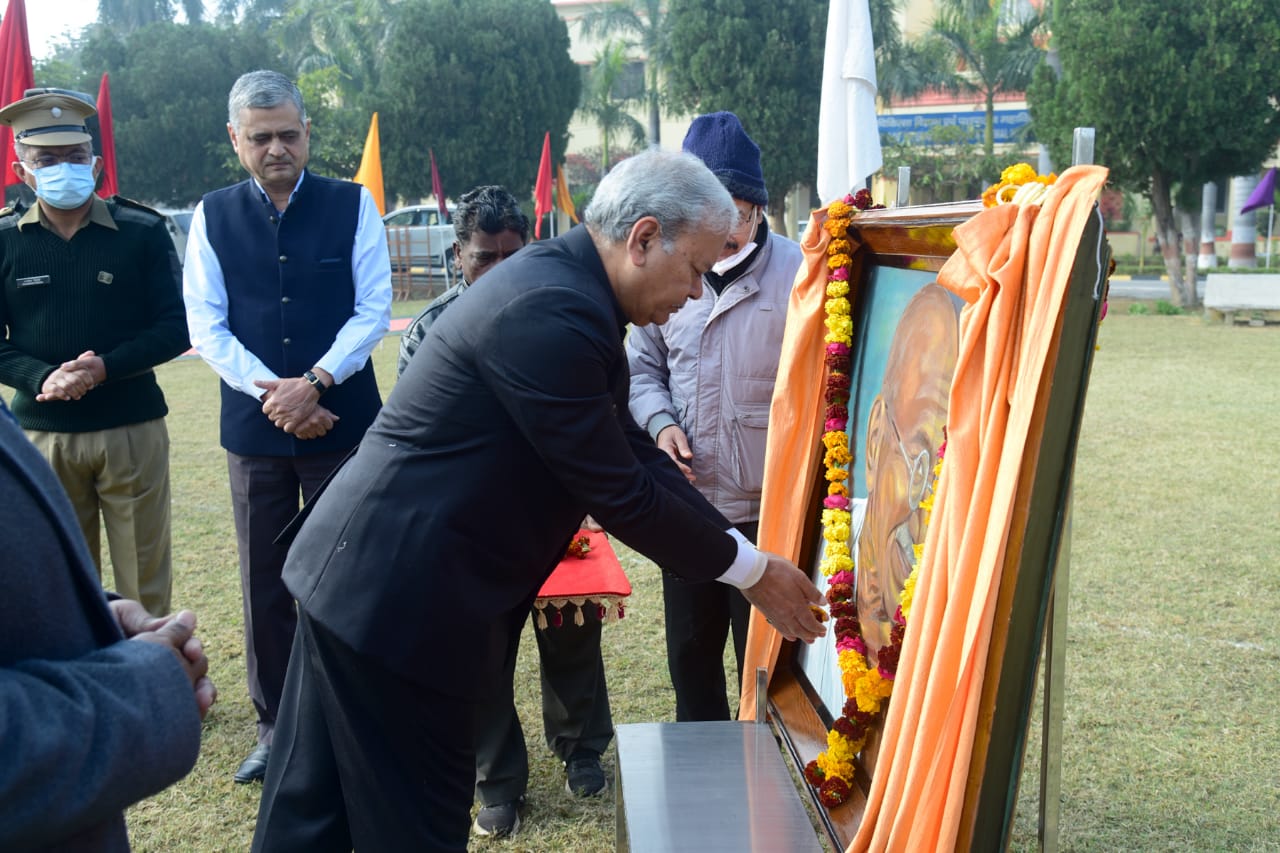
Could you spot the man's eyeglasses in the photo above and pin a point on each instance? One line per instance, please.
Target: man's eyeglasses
(746, 218)
(917, 465)
(44, 161)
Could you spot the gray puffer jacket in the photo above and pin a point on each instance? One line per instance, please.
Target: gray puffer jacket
(711, 369)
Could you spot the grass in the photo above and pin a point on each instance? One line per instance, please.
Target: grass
(1170, 725)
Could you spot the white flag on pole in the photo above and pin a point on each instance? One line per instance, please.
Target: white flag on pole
(848, 139)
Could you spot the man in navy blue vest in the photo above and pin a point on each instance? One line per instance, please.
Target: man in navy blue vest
(287, 284)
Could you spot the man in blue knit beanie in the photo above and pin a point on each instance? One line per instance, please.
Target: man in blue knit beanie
(701, 384)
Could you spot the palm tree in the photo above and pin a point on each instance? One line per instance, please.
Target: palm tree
(904, 69)
(642, 24)
(350, 35)
(996, 46)
(600, 103)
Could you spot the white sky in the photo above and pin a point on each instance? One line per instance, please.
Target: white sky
(49, 20)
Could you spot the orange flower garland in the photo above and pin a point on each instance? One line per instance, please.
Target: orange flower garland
(866, 687)
(1018, 184)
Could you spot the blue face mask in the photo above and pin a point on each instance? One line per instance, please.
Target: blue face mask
(66, 186)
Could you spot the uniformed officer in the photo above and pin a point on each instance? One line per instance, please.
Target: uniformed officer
(91, 302)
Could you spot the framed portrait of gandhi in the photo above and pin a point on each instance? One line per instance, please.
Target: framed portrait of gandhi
(906, 338)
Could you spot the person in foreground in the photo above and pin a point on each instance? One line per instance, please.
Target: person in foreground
(427, 549)
(287, 284)
(100, 704)
(575, 697)
(701, 385)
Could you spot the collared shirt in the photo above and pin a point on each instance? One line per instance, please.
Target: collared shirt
(205, 292)
(98, 212)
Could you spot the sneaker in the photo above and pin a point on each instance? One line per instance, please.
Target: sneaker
(585, 776)
(500, 820)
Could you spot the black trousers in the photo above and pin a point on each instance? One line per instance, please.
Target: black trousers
(364, 758)
(575, 709)
(266, 493)
(699, 617)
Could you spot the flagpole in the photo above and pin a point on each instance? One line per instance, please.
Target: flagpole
(1271, 221)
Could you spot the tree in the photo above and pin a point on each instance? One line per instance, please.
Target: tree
(642, 24)
(337, 131)
(169, 85)
(600, 104)
(1180, 93)
(904, 69)
(996, 48)
(945, 165)
(757, 60)
(348, 35)
(480, 82)
(128, 15)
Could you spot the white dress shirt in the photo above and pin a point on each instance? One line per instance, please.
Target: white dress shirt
(205, 291)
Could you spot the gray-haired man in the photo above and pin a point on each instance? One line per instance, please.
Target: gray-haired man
(426, 550)
(288, 289)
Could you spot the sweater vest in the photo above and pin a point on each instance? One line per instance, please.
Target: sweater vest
(290, 289)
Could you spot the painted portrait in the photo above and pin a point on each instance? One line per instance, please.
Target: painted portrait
(905, 346)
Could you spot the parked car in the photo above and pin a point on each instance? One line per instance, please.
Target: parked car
(421, 245)
(178, 223)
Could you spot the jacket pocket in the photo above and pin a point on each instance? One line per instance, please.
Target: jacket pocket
(748, 431)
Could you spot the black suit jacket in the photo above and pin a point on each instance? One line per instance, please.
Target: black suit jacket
(509, 425)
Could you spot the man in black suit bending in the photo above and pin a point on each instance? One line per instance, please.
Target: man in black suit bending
(428, 547)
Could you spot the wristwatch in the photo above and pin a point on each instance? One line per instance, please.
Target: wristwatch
(316, 382)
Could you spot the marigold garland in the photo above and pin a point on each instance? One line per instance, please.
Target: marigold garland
(866, 687)
(1018, 184)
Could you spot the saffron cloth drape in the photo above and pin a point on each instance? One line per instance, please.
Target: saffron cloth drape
(1011, 267)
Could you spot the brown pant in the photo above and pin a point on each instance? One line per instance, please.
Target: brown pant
(122, 474)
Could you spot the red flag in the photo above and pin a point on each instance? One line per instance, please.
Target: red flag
(110, 186)
(542, 190)
(437, 188)
(15, 76)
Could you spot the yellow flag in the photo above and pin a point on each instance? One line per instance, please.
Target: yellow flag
(564, 201)
(370, 172)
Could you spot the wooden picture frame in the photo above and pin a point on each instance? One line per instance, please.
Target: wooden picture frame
(911, 245)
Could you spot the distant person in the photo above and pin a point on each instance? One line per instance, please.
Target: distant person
(421, 558)
(575, 698)
(904, 431)
(701, 384)
(91, 303)
(288, 290)
(489, 228)
(100, 705)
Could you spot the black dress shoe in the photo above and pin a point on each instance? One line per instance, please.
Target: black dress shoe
(253, 768)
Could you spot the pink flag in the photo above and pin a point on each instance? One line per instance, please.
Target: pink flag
(542, 189)
(110, 185)
(15, 76)
(437, 188)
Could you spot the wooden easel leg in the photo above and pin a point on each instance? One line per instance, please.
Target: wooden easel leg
(1055, 671)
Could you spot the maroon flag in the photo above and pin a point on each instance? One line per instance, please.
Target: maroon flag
(542, 189)
(437, 188)
(15, 75)
(110, 186)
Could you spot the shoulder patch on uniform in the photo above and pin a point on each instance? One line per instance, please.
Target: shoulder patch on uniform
(137, 205)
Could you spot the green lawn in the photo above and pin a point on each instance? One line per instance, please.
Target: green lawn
(1171, 733)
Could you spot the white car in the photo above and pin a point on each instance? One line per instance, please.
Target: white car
(419, 241)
